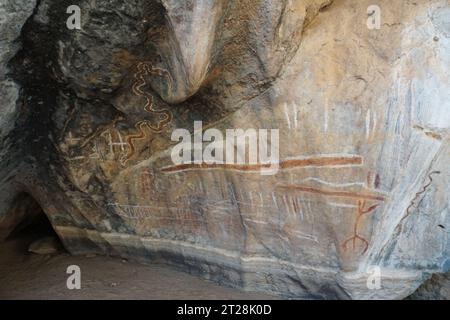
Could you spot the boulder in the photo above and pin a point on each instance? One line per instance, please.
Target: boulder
(45, 246)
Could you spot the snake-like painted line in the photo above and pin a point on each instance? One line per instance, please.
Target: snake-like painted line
(145, 69)
(418, 194)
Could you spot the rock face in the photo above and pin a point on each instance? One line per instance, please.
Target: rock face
(363, 116)
(13, 15)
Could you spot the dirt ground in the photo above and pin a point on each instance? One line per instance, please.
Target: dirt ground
(25, 275)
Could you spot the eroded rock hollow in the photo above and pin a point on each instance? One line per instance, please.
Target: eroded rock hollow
(363, 115)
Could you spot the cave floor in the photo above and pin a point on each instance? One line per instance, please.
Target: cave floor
(25, 275)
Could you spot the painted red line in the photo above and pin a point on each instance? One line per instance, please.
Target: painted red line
(287, 164)
(342, 194)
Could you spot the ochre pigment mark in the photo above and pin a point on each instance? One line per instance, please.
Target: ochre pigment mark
(100, 130)
(327, 161)
(373, 180)
(140, 126)
(145, 69)
(361, 212)
(146, 181)
(428, 133)
(322, 162)
(335, 193)
(203, 166)
(369, 178)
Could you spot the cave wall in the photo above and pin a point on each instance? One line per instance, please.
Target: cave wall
(13, 15)
(363, 118)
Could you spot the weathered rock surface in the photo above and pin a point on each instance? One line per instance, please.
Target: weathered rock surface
(363, 118)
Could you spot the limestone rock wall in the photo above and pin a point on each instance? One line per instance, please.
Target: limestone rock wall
(363, 118)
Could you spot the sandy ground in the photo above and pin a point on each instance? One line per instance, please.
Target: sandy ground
(25, 275)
